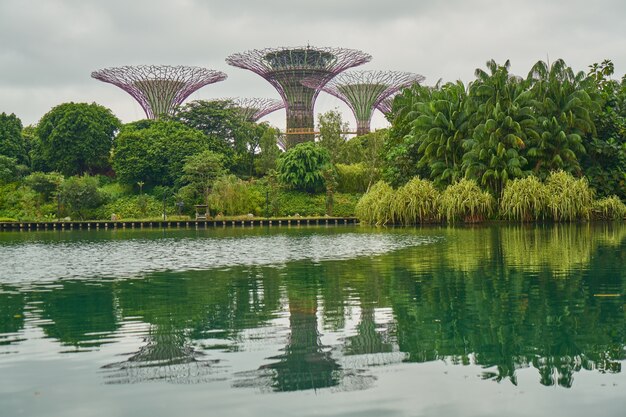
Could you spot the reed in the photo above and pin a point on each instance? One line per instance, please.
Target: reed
(465, 201)
(569, 199)
(415, 202)
(524, 199)
(375, 205)
(609, 208)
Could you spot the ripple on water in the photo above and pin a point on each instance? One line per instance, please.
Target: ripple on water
(52, 260)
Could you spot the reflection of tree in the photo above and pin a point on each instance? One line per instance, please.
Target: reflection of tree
(80, 313)
(11, 313)
(505, 317)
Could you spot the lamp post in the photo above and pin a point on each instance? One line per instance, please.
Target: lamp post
(164, 213)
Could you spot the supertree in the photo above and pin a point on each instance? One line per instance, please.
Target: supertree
(385, 106)
(286, 68)
(159, 88)
(253, 108)
(363, 91)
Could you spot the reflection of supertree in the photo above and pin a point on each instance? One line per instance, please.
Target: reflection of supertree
(167, 356)
(286, 68)
(305, 362)
(253, 108)
(362, 91)
(159, 88)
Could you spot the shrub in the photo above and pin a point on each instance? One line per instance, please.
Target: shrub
(302, 167)
(465, 201)
(231, 196)
(524, 199)
(46, 184)
(375, 206)
(415, 202)
(609, 208)
(80, 196)
(352, 178)
(304, 204)
(569, 198)
(131, 207)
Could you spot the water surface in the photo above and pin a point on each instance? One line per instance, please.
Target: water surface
(339, 321)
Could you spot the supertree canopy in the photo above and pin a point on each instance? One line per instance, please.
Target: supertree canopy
(286, 68)
(253, 108)
(363, 91)
(159, 88)
(386, 105)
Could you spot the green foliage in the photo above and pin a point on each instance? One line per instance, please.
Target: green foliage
(525, 200)
(352, 178)
(465, 201)
(227, 131)
(569, 198)
(46, 184)
(400, 149)
(609, 208)
(268, 144)
(304, 204)
(8, 169)
(232, 196)
(417, 201)
(503, 122)
(331, 136)
(154, 152)
(131, 207)
(200, 172)
(605, 160)
(80, 196)
(22, 202)
(12, 143)
(374, 207)
(564, 107)
(302, 167)
(76, 138)
(439, 131)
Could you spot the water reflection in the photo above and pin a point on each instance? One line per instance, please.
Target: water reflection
(504, 298)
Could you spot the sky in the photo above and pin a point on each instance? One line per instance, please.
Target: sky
(48, 48)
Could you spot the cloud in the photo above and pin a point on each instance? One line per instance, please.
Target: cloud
(48, 48)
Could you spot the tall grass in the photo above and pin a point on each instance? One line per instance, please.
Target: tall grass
(569, 198)
(609, 208)
(232, 196)
(415, 202)
(524, 199)
(375, 205)
(465, 201)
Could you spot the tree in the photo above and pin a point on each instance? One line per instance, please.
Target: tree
(504, 122)
(228, 132)
(564, 110)
(401, 148)
(302, 167)
(439, 131)
(76, 138)
(79, 195)
(8, 169)
(154, 152)
(11, 140)
(331, 136)
(200, 172)
(605, 160)
(266, 160)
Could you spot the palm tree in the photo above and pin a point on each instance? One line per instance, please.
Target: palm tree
(564, 107)
(503, 123)
(440, 129)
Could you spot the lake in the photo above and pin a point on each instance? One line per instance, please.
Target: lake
(314, 321)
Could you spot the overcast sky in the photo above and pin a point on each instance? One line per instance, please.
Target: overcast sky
(48, 48)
